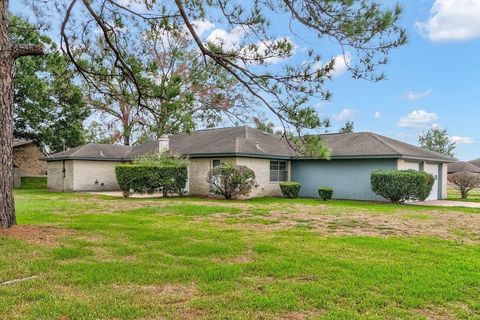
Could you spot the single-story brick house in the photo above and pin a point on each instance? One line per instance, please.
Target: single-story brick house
(354, 157)
(28, 158)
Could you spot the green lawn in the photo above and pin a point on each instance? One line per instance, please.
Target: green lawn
(34, 183)
(98, 257)
(474, 195)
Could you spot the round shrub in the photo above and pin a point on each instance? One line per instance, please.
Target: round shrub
(290, 189)
(399, 186)
(230, 180)
(325, 193)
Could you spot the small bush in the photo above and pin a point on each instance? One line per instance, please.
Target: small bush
(153, 173)
(325, 193)
(401, 185)
(464, 182)
(229, 180)
(290, 189)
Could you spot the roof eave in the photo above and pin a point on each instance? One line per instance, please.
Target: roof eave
(349, 157)
(266, 156)
(442, 160)
(237, 154)
(50, 159)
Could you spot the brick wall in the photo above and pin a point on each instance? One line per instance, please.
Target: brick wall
(28, 159)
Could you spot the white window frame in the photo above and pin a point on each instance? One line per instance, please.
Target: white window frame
(278, 171)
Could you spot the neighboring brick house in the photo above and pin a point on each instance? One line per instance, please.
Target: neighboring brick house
(354, 157)
(28, 159)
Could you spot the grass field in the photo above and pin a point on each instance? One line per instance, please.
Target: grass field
(474, 195)
(34, 183)
(97, 257)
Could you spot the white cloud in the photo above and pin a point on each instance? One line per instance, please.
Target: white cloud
(417, 95)
(452, 20)
(320, 105)
(202, 26)
(339, 64)
(377, 115)
(345, 115)
(406, 135)
(417, 119)
(227, 39)
(461, 140)
(232, 40)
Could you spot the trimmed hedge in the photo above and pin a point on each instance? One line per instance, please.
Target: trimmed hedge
(149, 178)
(290, 189)
(325, 193)
(401, 185)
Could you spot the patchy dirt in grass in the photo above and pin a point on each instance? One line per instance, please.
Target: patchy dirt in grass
(49, 236)
(299, 315)
(336, 221)
(168, 293)
(323, 218)
(449, 312)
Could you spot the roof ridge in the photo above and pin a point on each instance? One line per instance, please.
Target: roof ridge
(380, 139)
(410, 146)
(82, 147)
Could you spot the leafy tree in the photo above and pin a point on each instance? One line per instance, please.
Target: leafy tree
(97, 132)
(48, 105)
(265, 126)
(347, 128)
(464, 182)
(437, 140)
(180, 92)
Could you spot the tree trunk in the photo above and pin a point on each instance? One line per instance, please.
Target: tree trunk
(126, 138)
(7, 209)
(9, 52)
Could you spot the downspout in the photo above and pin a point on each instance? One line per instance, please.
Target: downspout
(63, 175)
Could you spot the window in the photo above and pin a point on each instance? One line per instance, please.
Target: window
(216, 163)
(278, 171)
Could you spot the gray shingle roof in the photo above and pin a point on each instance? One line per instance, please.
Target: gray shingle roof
(462, 166)
(475, 162)
(369, 144)
(246, 141)
(236, 140)
(21, 142)
(94, 151)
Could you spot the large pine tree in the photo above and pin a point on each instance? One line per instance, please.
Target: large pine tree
(9, 53)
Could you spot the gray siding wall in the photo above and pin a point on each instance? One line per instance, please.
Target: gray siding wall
(350, 179)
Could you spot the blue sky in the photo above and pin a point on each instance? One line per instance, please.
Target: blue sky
(432, 80)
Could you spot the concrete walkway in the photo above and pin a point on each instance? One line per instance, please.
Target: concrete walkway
(448, 203)
(120, 194)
